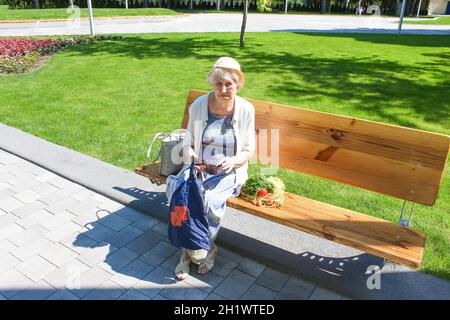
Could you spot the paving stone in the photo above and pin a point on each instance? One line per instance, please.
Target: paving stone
(188, 293)
(302, 283)
(35, 169)
(25, 185)
(7, 178)
(230, 255)
(28, 235)
(6, 247)
(144, 242)
(272, 279)
(88, 217)
(57, 220)
(21, 175)
(90, 280)
(63, 231)
(83, 207)
(215, 296)
(97, 231)
(12, 282)
(160, 228)
(133, 215)
(2, 297)
(10, 204)
(4, 185)
(63, 295)
(157, 280)
(32, 248)
(206, 282)
(116, 261)
(106, 291)
(8, 261)
(100, 198)
(324, 294)
(78, 242)
(67, 276)
(110, 205)
(235, 285)
(293, 291)
(7, 168)
(159, 253)
(64, 184)
(21, 163)
(45, 176)
(7, 158)
(34, 219)
(129, 275)
(44, 188)
(93, 256)
(38, 291)
(83, 194)
(36, 268)
(124, 236)
(145, 223)
(27, 196)
(28, 209)
(55, 197)
(58, 254)
(133, 294)
(7, 219)
(222, 266)
(172, 262)
(114, 222)
(251, 267)
(5, 193)
(159, 297)
(257, 292)
(62, 206)
(9, 231)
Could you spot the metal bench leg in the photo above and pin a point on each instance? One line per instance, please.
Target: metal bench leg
(406, 222)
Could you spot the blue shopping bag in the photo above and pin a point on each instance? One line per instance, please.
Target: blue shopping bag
(188, 223)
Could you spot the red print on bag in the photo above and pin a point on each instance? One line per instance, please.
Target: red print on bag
(178, 215)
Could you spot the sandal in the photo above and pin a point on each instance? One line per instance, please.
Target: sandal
(208, 262)
(183, 267)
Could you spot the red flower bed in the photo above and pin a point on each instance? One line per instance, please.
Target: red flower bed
(11, 47)
(17, 55)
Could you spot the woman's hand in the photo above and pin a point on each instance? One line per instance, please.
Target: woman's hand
(228, 163)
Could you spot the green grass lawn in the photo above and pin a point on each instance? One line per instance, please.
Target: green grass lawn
(439, 20)
(40, 14)
(107, 99)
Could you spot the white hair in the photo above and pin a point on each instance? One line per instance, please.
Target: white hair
(220, 73)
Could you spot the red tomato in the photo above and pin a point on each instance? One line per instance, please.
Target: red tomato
(262, 192)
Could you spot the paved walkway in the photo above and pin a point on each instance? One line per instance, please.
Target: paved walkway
(223, 23)
(59, 240)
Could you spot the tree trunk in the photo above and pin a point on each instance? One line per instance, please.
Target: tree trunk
(145, 3)
(36, 4)
(323, 7)
(244, 23)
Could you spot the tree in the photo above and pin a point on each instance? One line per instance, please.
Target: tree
(323, 7)
(36, 4)
(244, 23)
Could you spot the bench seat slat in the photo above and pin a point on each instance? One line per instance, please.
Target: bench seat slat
(373, 235)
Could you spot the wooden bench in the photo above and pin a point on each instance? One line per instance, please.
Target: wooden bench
(401, 162)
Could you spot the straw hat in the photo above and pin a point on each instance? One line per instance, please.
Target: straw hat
(231, 65)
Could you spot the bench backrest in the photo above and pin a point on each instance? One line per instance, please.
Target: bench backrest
(401, 162)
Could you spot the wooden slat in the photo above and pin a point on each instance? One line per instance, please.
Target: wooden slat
(397, 161)
(376, 236)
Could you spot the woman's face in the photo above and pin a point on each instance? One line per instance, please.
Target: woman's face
(224, 89)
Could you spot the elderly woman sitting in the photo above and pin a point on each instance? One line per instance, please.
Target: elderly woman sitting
(221, 133)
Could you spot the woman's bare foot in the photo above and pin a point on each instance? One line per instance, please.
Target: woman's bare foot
(182, 269)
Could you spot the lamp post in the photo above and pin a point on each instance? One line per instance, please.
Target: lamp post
(402, 13)
(91, 17)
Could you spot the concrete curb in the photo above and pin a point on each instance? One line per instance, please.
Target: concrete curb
(320, 261)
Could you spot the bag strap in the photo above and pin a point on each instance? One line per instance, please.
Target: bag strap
(159, 135)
